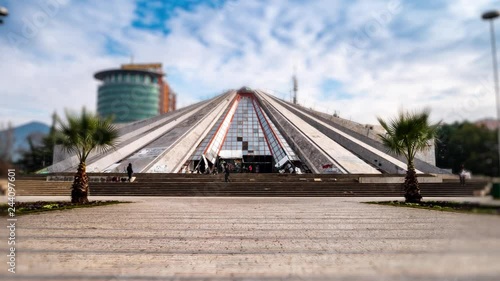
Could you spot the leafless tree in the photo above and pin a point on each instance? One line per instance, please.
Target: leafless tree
(6, 147)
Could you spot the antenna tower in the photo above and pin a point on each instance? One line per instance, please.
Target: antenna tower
(295, 86)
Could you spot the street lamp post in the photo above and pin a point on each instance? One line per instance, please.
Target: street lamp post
(3, 13)
(491, 16)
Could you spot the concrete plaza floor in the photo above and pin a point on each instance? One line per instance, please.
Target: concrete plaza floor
(216, 238)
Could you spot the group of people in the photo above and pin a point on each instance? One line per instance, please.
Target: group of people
(463, 174)
(248, 169)
(129, 172)
(225, 166)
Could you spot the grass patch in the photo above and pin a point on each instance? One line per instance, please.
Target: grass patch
(446, 206)
(23, 208)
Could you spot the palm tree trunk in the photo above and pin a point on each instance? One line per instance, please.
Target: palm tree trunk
(412, 191)
(80, 188)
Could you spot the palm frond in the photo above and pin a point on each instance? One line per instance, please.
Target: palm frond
(408, 133)
(84, 133)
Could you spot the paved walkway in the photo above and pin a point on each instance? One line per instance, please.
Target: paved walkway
(254, 239)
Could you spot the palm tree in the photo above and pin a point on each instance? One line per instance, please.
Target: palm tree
(81, 135)
(406, 135)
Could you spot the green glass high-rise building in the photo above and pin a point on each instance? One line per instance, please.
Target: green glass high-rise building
(132, 93)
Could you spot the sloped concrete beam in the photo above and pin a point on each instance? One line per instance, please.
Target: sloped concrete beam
(347, 160)
(175, 157)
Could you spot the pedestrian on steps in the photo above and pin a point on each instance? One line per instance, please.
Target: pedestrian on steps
(226, 173)
(129, 171)
(462, 174)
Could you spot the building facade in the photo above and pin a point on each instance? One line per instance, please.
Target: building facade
(247, 128)
(134, 92)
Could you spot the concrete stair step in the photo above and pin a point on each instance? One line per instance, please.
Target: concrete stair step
(242, 185)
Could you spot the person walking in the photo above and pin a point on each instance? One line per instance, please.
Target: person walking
(462, 174)
(226, 173)
(129, 171)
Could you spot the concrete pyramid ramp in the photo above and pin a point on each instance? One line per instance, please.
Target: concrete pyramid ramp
(247, 131)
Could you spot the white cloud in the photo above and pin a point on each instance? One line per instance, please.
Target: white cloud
(385, 55)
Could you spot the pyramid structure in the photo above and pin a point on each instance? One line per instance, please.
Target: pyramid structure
(246, 128)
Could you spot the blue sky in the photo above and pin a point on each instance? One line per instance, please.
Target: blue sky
(361, 59)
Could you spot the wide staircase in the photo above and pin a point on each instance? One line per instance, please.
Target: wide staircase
(266, 185)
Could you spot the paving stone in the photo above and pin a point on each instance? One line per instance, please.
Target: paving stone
(221, 238)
